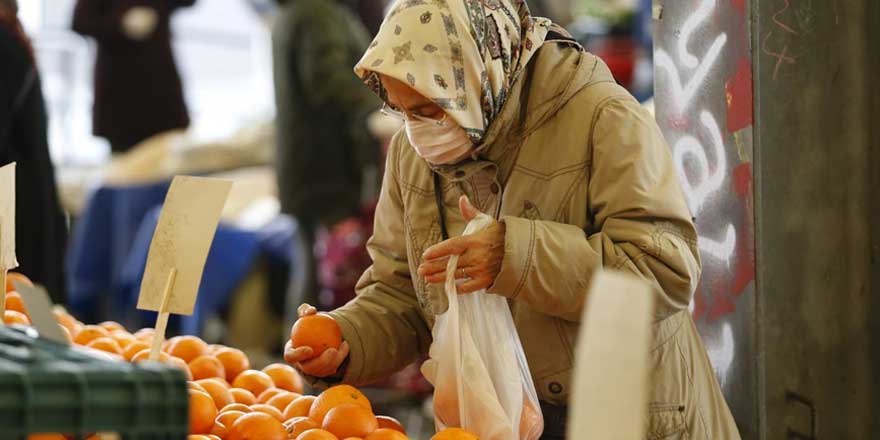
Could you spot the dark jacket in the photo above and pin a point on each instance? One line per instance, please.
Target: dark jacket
(323, 145)
(40, 226)
(137, 88)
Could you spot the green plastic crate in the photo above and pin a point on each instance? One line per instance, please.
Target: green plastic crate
(48, 387)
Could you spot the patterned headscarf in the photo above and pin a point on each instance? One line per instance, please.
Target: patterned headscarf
(464, 55)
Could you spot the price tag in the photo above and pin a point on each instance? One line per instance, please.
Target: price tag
(39, 307)
(7, 229)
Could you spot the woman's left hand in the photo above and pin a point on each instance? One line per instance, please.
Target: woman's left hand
(481, 255)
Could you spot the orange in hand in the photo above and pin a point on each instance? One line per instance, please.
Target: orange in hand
(318, 331)
(350, 420)
(257, 426)
(335, 396)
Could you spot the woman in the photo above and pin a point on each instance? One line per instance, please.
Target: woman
(505, 109)
(40, 226)
(138, 92)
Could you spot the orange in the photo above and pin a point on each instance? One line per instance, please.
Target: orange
(390, 423)
(317, 434)
(234, 362)
(187, 347)
(218, 391)
(236, 407)
(254, 381)
(12, 317)
(105, 344)
(112, 326)
(241, 395)
(529, 417)
(207, 366)
(268, 394)
(220, 430)
(46, 436)
(318, 331)
(144, 334)
(202, 437)
(335, 396)
(123, 338)
(454, 434)
(386, 434)
(14, 302)
(144, 355)
(268, 409)
(12, 277)
(190, 385)
(89, 333)
(285, 377)
(299, 425)
(213, 348)
(350, 420)
(202, 412)
(67, 321)
(282, 399)
(134, 348)
(257, 426)
(299, 407)
(227, 418)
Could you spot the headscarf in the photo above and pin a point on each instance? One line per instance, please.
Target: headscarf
(464, 55)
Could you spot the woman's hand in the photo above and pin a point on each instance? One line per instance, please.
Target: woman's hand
(481, 255)
(324, 365)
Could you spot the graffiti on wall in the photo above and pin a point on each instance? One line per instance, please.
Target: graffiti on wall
(704, 106)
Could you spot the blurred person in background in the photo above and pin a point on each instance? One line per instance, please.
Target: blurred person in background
(40, 226)
(506, 114)
(326, 157)
(138, 92)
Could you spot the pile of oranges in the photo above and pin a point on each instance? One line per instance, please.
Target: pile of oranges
(228, 400)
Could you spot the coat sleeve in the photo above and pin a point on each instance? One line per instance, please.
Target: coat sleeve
(384, 324)
(642, 225)
(99, 19)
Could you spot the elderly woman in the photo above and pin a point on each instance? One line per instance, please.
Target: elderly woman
(505, 114)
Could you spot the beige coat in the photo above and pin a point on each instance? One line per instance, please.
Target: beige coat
(583, 179)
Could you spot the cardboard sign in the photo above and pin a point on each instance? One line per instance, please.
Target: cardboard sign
(611, 369)
(7, 218)
(181, 242)
(39, 307)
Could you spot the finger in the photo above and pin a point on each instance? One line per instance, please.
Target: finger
(305, 310)
(431, 267)
(344, 350)
(323, 365)
(467, 209)
(473, 285)
(453, 246)
(294, 355)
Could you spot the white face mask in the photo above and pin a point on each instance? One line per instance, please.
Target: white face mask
(440, 142)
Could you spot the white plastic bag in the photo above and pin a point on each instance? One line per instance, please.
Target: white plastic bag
(481, 379)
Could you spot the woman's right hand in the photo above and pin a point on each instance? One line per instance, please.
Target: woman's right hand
(302, 358)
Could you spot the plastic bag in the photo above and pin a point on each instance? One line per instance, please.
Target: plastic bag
(481, 379)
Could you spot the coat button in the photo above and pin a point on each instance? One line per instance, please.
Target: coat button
(459, 173)
(555, 387)
(494, 188)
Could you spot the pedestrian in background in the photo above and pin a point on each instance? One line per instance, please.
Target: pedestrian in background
(138, 92)
(40, 225)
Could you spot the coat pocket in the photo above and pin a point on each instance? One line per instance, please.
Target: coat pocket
(666, 422)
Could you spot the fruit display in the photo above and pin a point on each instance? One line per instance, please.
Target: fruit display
(230, 400)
